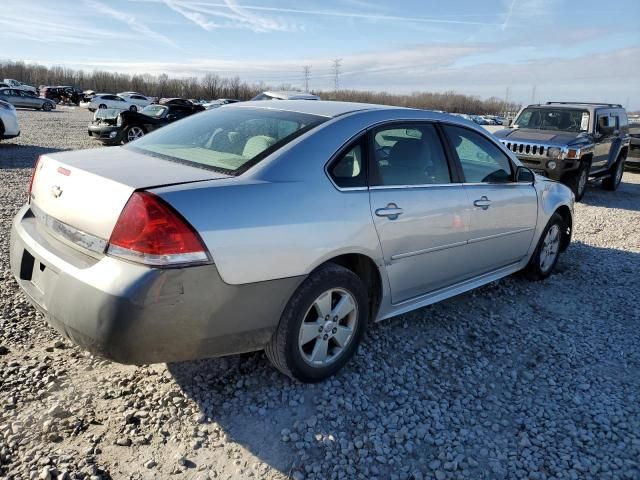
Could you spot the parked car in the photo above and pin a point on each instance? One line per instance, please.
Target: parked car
(9, 126)
(219, 103)
(285, 96)
(26, 99)
(10, 82)
(108, 100)
(571, 142)
(113, 127)
(633, 159)
(62, 94)
(139, 100)
(289, 228)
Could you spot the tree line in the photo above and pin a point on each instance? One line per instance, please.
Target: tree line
(212, 86)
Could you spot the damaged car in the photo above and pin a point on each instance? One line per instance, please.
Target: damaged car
(113, 127)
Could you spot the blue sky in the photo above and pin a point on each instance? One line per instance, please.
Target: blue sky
(566, 49)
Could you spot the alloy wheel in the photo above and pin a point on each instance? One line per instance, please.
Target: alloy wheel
(133, 133)
(550, 248)
(328, 327)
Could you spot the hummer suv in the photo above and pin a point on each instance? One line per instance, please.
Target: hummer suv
(571, 142)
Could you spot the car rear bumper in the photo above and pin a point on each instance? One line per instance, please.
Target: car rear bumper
(133, 314)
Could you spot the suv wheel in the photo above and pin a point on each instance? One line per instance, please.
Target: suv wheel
(577, 181)
(321, 326)
(547, 252)
(612, 182)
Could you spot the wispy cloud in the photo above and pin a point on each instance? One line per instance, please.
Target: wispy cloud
(230, 14)
(505, 24)
(227, 15)
(131, 21)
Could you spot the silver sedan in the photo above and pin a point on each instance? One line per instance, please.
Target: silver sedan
(26, 99)
(287, 227)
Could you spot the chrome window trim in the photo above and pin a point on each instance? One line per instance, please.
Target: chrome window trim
(422, 185)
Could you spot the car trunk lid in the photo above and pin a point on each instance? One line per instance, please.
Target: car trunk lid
(87, 189)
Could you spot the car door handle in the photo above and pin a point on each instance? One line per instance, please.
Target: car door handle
(391, 211)
(483, 203)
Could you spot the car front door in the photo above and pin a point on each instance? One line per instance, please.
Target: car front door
(30, 101)
(503, 212)
(419, 209)
(606, 132)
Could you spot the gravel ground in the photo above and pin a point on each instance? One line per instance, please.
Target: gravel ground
(515, 380)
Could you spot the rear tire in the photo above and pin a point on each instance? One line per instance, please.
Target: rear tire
(133, 108)
(612, 182)
(577, 181)
(546, 254)
(46, 107)
(102, 105)
(314, 339)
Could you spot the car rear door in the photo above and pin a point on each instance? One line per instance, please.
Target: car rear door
(419, 209)
(503, 212)
(603, 139)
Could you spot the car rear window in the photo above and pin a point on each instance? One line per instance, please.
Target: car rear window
(229, 139)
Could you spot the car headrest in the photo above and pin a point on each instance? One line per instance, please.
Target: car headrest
(256, 145)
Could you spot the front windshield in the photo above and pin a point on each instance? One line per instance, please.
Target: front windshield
(155, 111)
(228, 139)
(563, 119)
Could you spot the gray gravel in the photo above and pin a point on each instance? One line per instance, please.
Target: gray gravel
(515, 380)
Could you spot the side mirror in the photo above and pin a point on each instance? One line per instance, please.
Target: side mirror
(524, 175)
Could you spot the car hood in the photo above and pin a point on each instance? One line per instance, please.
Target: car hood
(106, 116)
(548, 137)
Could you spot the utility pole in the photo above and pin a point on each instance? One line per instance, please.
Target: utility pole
(533, 94)
(506, 102)
(306, 71)
(337, 66)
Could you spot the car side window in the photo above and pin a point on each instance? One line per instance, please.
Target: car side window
(348, 171)
(409, 154)
(481, 160)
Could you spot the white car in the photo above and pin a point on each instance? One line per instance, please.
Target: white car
(281, 95)
(137, 99)
(9, 127)
(19, 85)
(108, 100)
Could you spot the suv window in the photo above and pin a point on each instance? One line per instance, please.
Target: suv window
(349, 170)
(482, 161)
(410, 154)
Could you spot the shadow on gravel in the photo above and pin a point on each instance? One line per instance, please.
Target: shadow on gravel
(14, 155)
(627, 197)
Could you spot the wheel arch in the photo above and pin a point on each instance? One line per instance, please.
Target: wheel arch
(365, 268)
(567, 218)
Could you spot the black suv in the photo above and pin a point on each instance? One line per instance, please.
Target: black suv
(571, 142)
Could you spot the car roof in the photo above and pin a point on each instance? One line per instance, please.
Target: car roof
(591, 107)
(322, 108)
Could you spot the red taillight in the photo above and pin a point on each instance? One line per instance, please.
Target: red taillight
(33, 175)
(150, 231)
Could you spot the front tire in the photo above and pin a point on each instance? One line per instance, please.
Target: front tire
(133, 132)
(546, 255)
(133, 108)
(577, 181)
(102, 105)
(321, 326)
(612, 182)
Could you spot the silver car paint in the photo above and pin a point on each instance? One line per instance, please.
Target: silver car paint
(9, 120)
(284, 217)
